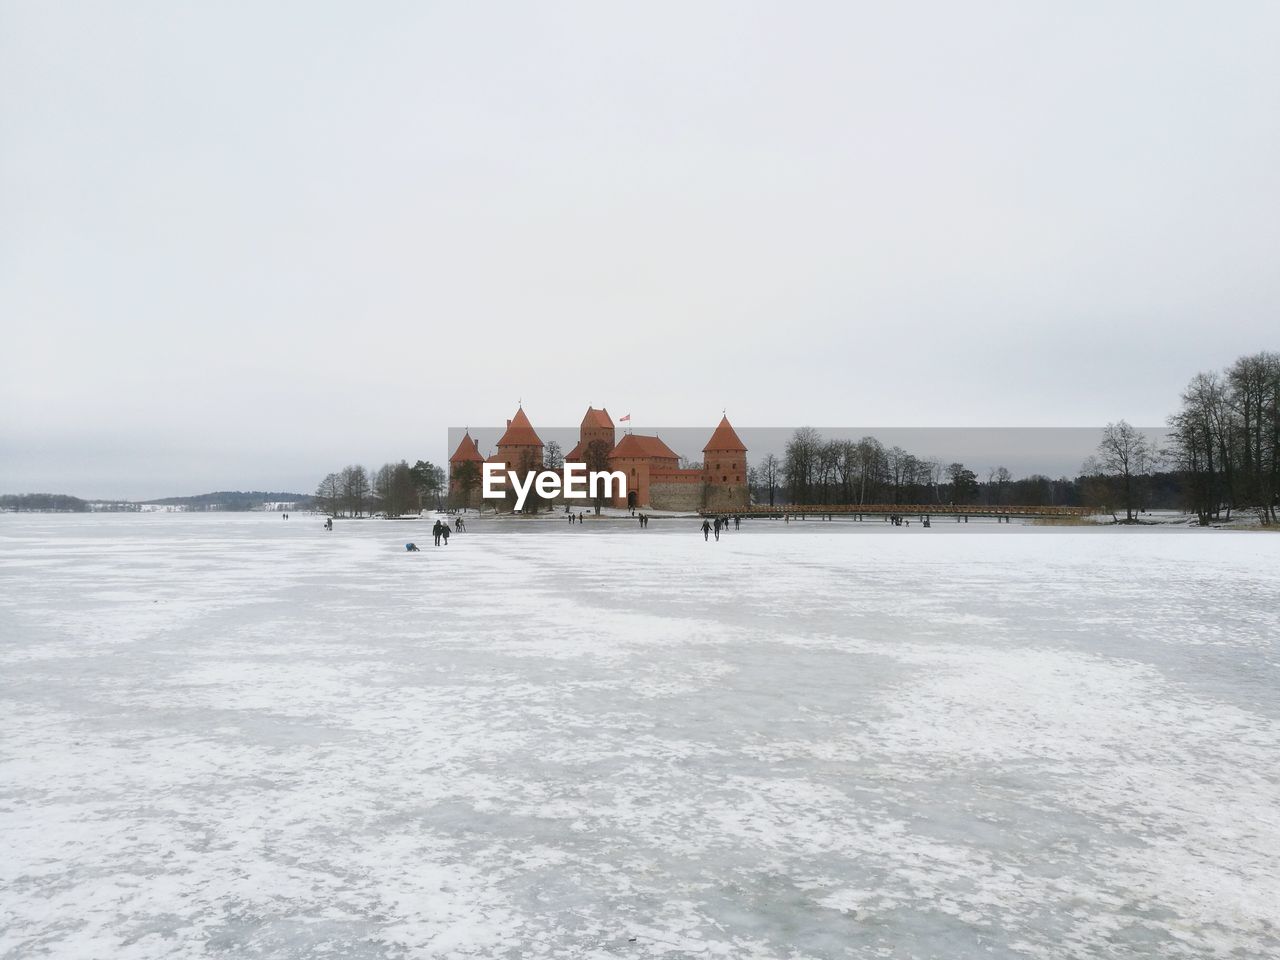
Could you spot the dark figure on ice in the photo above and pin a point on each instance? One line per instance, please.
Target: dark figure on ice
(458, 525)
(716, 528)
(435, 532)
(412, 548)
(706, 531)
(328, 524)
(444, 532)
(737, 522)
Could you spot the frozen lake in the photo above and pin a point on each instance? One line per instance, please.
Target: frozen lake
(236, 736)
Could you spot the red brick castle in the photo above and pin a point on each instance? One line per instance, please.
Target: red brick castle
(655, 479)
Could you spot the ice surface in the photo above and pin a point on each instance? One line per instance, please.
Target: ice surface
(236, 736)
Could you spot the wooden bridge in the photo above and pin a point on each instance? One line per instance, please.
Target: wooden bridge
(911, 511)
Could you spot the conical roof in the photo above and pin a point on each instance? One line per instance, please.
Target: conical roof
(520, 432)
(467, 451)
(725, 439)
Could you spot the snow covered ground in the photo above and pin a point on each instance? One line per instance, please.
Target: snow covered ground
(237, 736)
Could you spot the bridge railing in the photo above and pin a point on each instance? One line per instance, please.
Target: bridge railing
(902, 509)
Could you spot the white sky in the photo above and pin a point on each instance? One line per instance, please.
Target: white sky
(243, 244)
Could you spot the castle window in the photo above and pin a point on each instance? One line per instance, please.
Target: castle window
(725, 479)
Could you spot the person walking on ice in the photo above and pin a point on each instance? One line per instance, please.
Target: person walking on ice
(706, 531)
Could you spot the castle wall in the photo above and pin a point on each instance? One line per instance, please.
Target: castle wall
(726, 498)
(681, 490)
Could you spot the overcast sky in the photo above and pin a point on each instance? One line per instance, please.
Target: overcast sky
(242, 244)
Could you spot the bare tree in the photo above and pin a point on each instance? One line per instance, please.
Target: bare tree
(800, 464)
(935, 471)
(1254, 397)
(872, 467)
(554, 457)
(770, 474)
(898, 466)
(355, 489)
(329, 494)
(1198, 447)
(396, 489)
(1127, 455)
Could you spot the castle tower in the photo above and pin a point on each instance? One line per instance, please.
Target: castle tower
(465, 473)
(724, 469)
(520, 448)
(596, 425)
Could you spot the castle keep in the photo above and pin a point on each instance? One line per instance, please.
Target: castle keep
(655, 479)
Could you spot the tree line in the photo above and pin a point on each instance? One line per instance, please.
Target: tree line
(1225, 440)
(1221, 455)
(393, 490)
(815, 471)
(42, 503)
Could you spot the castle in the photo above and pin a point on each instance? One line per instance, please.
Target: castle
(655, 479)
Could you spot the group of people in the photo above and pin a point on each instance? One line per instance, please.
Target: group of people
(900, 521)
(721, 523)
(575, 517)
(439, 533)
(643, 518)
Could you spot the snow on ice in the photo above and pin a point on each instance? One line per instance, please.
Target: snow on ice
(234, 736)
